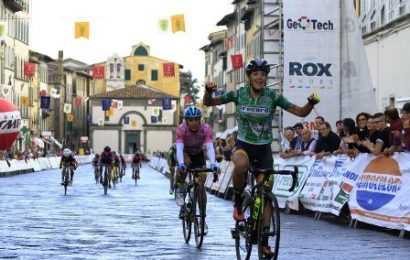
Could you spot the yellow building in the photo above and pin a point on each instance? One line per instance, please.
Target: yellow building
(140, 69)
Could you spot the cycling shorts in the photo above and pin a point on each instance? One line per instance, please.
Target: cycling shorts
(197, 160)
(261, 153)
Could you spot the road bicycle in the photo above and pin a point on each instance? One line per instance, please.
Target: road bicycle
(136, 173)
(122, 171)
(97, 173)
(114, 176)
(66, 175)
(192, 212)
(261, 212)
(105, 182)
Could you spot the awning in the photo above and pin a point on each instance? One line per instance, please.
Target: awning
(37, 141)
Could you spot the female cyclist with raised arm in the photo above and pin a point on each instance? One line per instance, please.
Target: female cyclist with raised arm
(255, 109)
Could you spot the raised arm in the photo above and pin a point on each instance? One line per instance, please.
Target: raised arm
(209, 100)
(306, 109)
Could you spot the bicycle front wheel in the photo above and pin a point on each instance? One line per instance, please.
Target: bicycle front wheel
(199, 218)
(243, 233)
(66, 180)
(105, 182)
(269, 228)
(186, 221)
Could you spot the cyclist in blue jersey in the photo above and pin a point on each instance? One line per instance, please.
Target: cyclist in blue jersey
(255, 109)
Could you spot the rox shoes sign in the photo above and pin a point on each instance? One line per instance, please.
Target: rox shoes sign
(309, 69)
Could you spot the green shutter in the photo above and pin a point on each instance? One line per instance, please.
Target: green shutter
(140, 67)
(154, 75)
(127, 74)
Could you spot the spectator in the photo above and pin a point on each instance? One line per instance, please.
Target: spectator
(218, 150)
(319, 120)
(339, 128)
(298, 127)
(379, 140)
(370, 125)
(395, 129)
(308, 143)
(231, 140)
(289, 144)
(361, 122)
(328, 141)
(406, 126)
(350, 142)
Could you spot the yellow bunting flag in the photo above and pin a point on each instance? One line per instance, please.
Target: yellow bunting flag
(178, 23)
(70, 118)
(24, 101)
(134, 123)
(111, 112)
(67, 108)
(82, 29)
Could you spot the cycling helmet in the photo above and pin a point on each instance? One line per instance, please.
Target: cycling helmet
(257, 64)
(107, 149)
(192, 112)
(66, 152)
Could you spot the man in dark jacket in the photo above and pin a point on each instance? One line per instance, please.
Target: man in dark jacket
(328, 141)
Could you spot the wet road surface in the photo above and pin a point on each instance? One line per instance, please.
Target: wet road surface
(141, 222)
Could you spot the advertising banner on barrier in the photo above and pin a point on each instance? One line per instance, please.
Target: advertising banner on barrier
(381, 188)
(322, 188)
(376, 188)
(283, 182)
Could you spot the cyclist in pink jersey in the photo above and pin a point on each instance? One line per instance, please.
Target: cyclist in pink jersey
(190, 140)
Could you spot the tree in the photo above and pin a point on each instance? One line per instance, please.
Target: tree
(189, 85)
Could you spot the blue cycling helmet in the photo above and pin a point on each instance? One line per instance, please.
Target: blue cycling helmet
(257, 64)
(192, 112)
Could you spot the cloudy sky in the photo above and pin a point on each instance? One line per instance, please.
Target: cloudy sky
(117, 25)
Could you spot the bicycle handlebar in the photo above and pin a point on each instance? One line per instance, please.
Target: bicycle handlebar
(293, 173)
(198, 170)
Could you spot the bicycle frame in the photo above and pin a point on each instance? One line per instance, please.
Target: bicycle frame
(258, 197)
(192, 191)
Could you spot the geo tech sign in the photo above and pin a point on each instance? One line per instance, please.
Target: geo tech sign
(309, 24)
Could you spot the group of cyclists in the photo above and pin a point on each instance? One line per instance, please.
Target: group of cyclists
(255, 109)
(115, 162)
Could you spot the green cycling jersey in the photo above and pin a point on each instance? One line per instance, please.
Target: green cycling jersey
(255, 116)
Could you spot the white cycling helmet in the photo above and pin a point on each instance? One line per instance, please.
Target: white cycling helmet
(66, 152)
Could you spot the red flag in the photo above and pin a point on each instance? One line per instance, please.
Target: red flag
(187, 99)
(236, 61)
(169, 69)
(77, 101)
(98, 72)
(29, 69)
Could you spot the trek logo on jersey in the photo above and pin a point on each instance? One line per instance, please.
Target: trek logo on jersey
(256, 110)
(309, 24)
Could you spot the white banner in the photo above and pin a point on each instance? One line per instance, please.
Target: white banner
(312, 57)
(357, 91)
